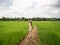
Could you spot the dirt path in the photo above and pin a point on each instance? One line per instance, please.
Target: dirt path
(31, 38)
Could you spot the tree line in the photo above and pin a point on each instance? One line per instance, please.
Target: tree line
(26, 19)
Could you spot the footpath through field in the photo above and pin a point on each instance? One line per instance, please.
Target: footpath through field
(32, 40)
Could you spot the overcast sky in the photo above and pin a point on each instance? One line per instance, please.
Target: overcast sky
(30, 8)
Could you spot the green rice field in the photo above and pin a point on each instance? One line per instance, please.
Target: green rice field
(49, 32)
(11, 32)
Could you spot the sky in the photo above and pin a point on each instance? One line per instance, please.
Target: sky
(30, 8)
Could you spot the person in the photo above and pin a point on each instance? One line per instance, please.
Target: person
(30, 28)
(30, 25)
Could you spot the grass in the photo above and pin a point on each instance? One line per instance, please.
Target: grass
(11, 32)
(49, 32)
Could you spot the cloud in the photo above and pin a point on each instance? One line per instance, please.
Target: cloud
(52, 3)
(57, 4)
(51, 8)
(30, 8)
(6, 3)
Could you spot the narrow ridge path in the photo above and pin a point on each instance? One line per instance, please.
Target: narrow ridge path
(32, 38)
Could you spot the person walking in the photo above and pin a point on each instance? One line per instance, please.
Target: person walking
(30, 25)
(30, 28)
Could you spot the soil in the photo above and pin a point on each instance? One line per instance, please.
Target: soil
(32, 38)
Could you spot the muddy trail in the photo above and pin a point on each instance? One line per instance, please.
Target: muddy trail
(31, 39)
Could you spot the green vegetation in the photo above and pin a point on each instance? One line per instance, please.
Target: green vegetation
(49, 32)
(26, 19)
(11, 32)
